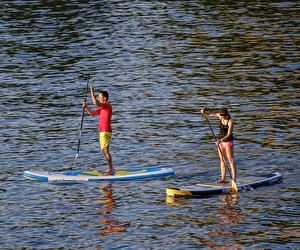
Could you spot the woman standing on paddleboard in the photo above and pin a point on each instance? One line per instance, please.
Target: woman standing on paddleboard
(224, 142)
(104, 111)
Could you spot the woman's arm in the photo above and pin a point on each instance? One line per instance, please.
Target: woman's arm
(203, 111)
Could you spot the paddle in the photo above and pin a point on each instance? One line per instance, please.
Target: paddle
(233, 184)
(82, 117)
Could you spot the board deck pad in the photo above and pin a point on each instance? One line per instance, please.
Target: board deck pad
(95, 175)
(206, 189)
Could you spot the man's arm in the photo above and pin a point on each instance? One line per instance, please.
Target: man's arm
(91, 112)
(94, 100)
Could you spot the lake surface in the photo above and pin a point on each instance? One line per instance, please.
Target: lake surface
(161, 61)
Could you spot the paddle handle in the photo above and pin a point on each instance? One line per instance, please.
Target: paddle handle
(210, 127)
(82, 117)
(85, 97)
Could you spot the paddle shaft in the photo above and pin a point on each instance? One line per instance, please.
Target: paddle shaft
(82, 117)
(218, 145)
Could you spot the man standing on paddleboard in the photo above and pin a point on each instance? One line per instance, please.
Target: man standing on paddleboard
(104, 111)
(224, 142)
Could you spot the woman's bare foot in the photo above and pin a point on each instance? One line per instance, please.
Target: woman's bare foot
(222, 181)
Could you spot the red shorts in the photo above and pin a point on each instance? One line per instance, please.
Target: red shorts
(224, 145)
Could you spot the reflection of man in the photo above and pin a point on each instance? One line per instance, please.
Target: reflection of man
(111, 225)
(110, 202)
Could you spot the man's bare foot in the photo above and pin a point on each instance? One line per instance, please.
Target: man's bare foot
(108, 172)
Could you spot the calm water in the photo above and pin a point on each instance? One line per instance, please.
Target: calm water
(161, 61)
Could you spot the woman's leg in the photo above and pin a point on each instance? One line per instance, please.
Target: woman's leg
(222, 166)
(230, 157)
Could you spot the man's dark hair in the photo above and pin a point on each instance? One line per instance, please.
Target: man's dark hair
(105, 94)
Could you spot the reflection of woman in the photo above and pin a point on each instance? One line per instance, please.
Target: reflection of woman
(231, 214)
(111, 224)
(225, 142)
(229, 217)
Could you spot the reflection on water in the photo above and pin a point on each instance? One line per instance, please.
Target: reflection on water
(215, 224)
(109, 222)
(229, 216)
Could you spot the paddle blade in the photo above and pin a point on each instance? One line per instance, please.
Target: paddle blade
(234, 188)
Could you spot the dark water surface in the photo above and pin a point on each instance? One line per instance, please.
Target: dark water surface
(161, 61)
